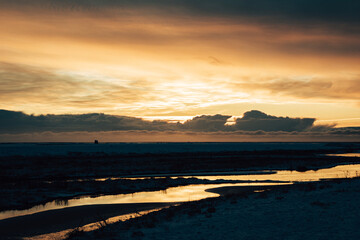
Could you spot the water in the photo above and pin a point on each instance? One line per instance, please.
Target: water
(341, 171)
(344, 155)
(174, 194)
(179, 175)
(195, 192)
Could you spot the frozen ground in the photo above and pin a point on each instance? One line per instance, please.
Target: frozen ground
(50, 162)
(325, 210)
(34, 173)
(43, 173)
(60, 149)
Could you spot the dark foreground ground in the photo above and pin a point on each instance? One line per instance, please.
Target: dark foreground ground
(322, 210)
(68, 218)
(38, 173)
(62, 162)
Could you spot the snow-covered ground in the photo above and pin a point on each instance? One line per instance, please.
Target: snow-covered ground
(324, 210)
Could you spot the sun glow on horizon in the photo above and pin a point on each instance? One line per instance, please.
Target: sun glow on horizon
(143, 61)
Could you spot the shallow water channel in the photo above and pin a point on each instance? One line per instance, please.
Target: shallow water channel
(196, 192)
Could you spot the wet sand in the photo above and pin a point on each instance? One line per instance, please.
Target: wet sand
(67, 218)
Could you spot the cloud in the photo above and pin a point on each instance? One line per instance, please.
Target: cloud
(255, 120)
(281, 38)
(233, 27)
(71, 91)
(253, 126)
(48, 90)
(206, 123)
(252, 122)
(340, 87)
(278, 17)
(17, 122)
(151, 58)
(296, 10)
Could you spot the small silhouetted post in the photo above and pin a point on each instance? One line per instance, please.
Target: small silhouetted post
(96, 141)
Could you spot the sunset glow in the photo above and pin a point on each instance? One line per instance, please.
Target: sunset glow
(184, 58)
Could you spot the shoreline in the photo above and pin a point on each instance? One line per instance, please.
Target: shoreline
(313, 210)
(68, 218)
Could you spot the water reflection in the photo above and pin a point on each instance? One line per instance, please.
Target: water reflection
(174, 194)
(194, 192)
(344, 155)
(341, 171)
(175, 175)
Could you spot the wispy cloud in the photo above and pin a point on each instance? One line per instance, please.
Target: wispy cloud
(160, 57)
(340, 87)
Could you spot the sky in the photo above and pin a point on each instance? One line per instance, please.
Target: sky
(172, 59)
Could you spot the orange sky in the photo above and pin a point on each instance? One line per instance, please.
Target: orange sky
(145, 61)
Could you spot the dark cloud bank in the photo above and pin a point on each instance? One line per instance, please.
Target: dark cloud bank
(345, 10)
(253, 122)
(295, 11)
(338, 18)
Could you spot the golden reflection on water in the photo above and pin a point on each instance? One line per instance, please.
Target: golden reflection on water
(341, 171)
(196, 192)
(344, 155)
(174, 194)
